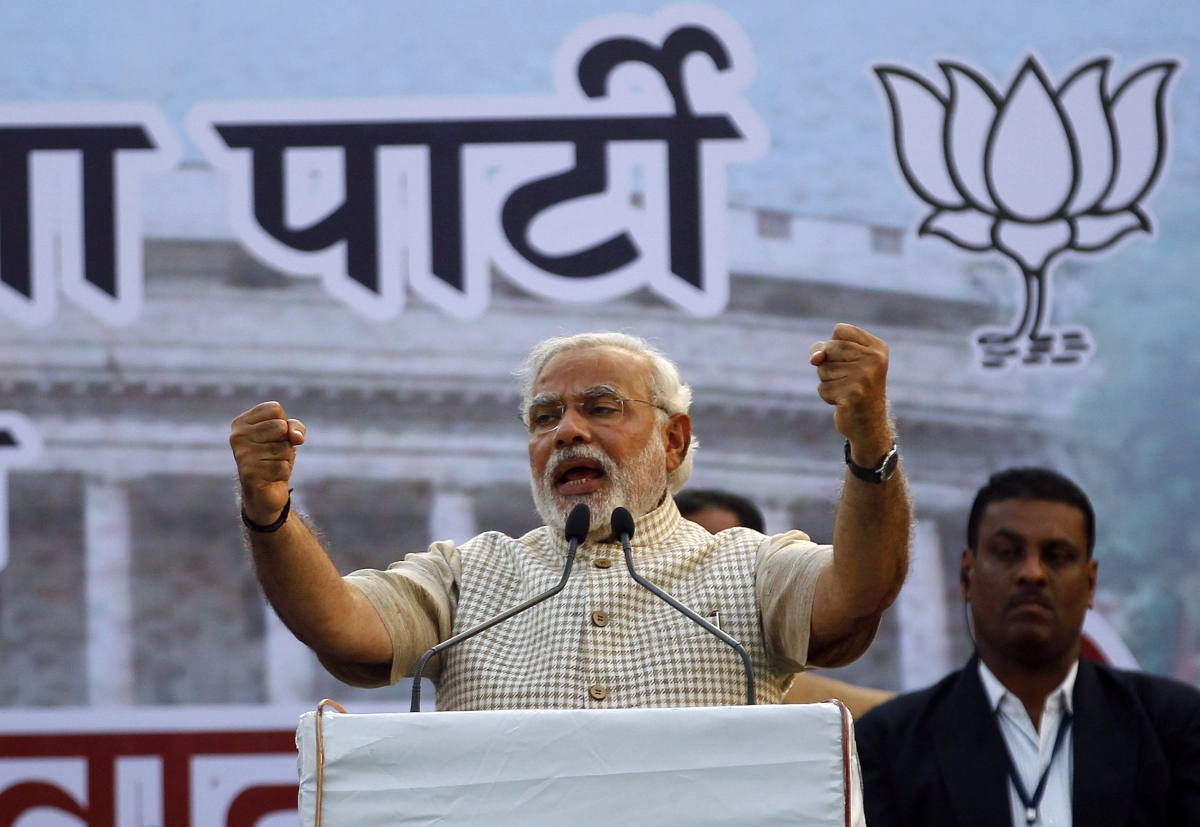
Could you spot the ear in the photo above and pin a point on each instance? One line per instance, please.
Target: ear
(677, 438)
(964, 574)
(1093, 569)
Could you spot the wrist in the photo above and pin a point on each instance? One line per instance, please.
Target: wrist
(261, 509)
(869, 430)
(272, 526)
(877, 472)
(262, 517)
(869, 451)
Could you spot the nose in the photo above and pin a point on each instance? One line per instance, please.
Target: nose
(573, 429)
(1031, 569)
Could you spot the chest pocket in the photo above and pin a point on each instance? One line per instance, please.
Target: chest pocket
(701, 599)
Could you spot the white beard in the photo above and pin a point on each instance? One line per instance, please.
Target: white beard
(639, 485)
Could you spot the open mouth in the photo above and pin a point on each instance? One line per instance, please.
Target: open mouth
(578, 476)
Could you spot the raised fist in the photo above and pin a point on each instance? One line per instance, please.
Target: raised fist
(852, 367)
(264, 445)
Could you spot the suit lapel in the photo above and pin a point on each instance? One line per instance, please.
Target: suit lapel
(1105, 754)
(970, 754)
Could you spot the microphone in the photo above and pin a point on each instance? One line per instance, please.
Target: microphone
(622, 528)
(579, 523)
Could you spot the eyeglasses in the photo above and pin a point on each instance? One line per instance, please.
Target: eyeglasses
(603, 409)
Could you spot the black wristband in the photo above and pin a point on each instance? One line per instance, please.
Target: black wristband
(259, 528)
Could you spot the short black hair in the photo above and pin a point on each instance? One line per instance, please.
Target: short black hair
(1031, 484)
(695, 500)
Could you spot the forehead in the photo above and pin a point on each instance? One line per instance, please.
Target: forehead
(569, 373)
(1037, 521)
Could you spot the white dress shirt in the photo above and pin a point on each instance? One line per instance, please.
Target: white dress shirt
(1031, 749)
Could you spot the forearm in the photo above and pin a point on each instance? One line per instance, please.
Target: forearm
(870, 536)
(870, 560)
(870, 544)
(329, 615)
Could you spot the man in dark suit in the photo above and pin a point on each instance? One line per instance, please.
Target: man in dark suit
(1028, 734)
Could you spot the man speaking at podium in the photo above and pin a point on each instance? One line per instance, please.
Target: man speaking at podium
(608, 427)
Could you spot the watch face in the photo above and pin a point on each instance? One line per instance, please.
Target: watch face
(889, 465)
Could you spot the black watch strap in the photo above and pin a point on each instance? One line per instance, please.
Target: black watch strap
(882, 473)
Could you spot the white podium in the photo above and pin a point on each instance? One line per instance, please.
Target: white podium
(790, 764)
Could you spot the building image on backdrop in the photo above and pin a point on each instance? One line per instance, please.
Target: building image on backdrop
(414, 436)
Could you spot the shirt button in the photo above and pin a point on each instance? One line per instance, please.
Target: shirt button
(602, 563)
(600, 618)
(597, 692)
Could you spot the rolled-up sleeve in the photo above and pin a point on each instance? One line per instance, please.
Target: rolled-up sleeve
(416, 599)
(785, 583)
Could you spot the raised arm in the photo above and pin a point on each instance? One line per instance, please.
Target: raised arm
(332, 617)
(874, 520)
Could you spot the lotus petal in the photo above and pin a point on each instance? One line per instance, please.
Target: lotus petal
(970, 114)
(1139, 126)
(918, 123)
(1095, 232)
(969, 229)
(1030, 161)
(1032, 245)
(1082, 99)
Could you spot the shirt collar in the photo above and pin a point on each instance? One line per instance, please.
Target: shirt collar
(658, 526)
(996, 691)
(654, 529)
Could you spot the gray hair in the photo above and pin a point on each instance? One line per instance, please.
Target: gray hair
(667, 391)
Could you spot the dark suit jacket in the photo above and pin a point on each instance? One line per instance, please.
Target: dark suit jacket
(936, 757)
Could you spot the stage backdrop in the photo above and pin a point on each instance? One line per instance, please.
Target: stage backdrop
(370, 211)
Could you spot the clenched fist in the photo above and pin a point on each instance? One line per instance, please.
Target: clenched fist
(852, 367)
(264, 444)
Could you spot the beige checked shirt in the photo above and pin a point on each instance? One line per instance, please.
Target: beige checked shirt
(604, 641)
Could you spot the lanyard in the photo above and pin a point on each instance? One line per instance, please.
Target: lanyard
(1032, 803)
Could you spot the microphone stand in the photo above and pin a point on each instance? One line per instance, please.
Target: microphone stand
(578, 524)
(622, 526)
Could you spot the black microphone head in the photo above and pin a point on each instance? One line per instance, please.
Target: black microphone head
(622, 522)
(579, 523)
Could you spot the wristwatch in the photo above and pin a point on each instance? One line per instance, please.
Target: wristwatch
(881, 474)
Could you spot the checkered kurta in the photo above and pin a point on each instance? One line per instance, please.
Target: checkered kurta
(604, 641)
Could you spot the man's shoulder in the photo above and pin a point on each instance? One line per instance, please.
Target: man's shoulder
(1157, 694)
(491, 546)
(909, 710)
(788, 545)
(541, 534)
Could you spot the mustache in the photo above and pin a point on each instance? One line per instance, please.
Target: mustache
(577, 452)
(1027, 596)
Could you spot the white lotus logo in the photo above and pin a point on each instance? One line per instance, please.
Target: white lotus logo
(1032, 174)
